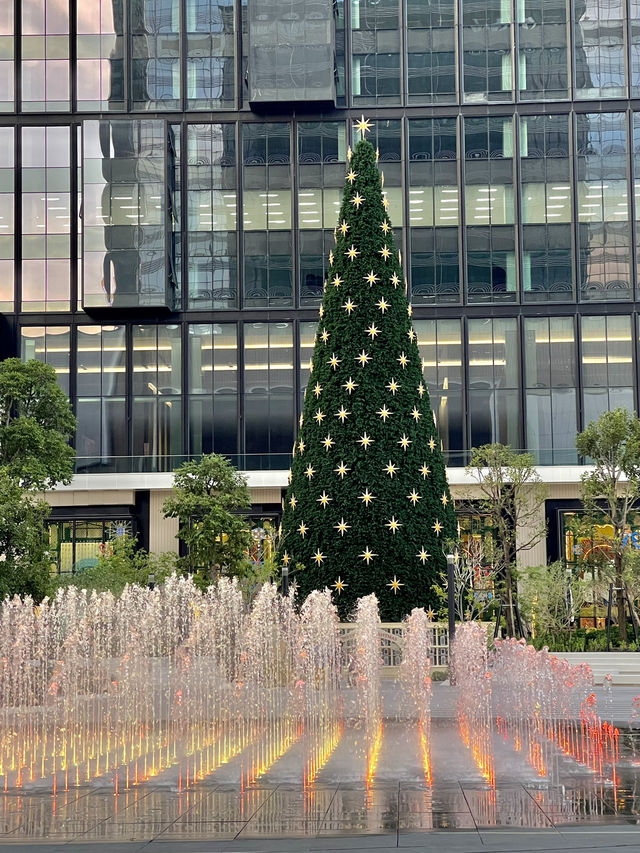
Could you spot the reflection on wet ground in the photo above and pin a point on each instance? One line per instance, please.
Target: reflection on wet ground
(398, 800)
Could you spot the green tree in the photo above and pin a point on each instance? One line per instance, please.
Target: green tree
(512, 497)
(368, 507)
(550, 597)
(24, 558)
(123, 563)
(36, 424)
(611, 489)
(209, 497)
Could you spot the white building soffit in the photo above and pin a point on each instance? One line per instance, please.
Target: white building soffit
(552, 474)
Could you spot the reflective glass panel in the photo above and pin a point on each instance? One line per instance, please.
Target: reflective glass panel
(607, 365)
(440, 345)
(604, 232)
(45, 55)
(46, 218)
(49, 344)
(268, 389)
(213, 388)
(267, 215)
(212, 211)
(100, 46)
(375, 51)
(433, 211)
(599, 45)
(494, 377)
(7, 223)
(124, 232)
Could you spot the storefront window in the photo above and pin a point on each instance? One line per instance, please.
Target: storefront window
(77, 545)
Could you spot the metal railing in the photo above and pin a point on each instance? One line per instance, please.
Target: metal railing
(392, 644)
(264, 461)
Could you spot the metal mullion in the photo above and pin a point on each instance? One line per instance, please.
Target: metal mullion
(73, 372)
(573, 181)
(239, 217)
(74, 257)
(408, 241)
(633, 208)
(182, 56)
(241, 445)
(522, 383)
(17, 227)
(294, 211)
(184, 219)
(580, 382)
(128, 354)
(517, 200)
(17, 55)
(73, 55)
(238, 82)
(464, 342)
(462, 217)
(297, 357)
(185, 364)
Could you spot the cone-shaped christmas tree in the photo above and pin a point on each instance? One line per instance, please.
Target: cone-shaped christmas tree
(368, 507)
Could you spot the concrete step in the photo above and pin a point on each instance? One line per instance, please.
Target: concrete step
(624, 667)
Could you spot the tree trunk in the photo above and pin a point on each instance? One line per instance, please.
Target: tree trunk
(622, 615)
(509, 615)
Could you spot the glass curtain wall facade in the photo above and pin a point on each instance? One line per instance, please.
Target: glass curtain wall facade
(164, 242)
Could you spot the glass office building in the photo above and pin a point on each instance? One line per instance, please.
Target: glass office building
(170, 176)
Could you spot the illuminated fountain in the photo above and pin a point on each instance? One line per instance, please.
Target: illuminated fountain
(415, 676)
(185, 687)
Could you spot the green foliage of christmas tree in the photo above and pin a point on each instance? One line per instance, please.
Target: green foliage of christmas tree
(368, 507)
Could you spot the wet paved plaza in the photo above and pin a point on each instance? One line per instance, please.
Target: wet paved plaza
(452, 808)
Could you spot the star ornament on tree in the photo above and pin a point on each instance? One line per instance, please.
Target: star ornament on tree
(339, 585)
(365, 441)
(367, 555)
(324, 500)
(395, 585)
(391, 469)
(422, 555)
(366, 497)
(393, 524)
(363, 126)
(342, 527)
(318, 557)
(328, 442)
(341, 470)
(357, 200)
